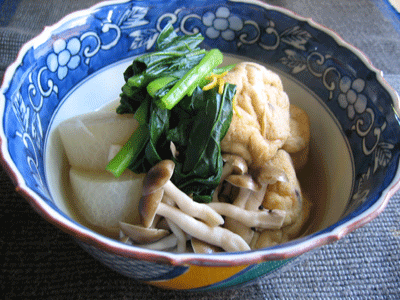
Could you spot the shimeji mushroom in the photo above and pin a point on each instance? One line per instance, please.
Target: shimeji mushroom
(150, 205)
(180, 235)
(142, 235)
(249, 201)
(167, 243)
(154, 238)
(233, 164)
(286, 195)
(158, 178)
(246, 186)
(264, 176)
(241, 220)
(265, 219)
(174, 150)
(254, 240)
(203, 247)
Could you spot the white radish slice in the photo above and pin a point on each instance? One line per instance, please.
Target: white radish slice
(87, 138)
(104, 200)
(114, 149)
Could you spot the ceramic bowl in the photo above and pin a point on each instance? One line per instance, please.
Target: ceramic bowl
(76, 66)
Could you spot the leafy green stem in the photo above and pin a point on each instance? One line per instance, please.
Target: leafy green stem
(129, 151)
(191, 79)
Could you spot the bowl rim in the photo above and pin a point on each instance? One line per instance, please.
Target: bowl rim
(280, 252)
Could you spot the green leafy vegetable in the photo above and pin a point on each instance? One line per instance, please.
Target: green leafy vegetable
(130, 151)
(164, 90)
(174, 56)
(198, 171)
(160, 87)
(192, 79)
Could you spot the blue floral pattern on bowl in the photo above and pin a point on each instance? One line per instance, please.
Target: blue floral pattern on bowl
(65, 57)
(116, 31)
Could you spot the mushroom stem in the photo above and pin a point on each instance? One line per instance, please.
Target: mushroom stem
(155, 222)
(203, 247)
(247, 186)
(157, 182)
(256, 199)
(216, 235)
(239, 228)
(180, 235)
(168, 200)
(192, 208)
(165, 243)
(142, 235)
(242, 197)
(233, 164)
(254, 240)
(266, 219)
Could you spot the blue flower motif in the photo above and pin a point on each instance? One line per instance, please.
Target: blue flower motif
(350, 97)
(222, 23)
(64, 57)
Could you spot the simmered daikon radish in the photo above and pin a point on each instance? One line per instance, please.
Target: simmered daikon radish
(104, 200)
(87, 138)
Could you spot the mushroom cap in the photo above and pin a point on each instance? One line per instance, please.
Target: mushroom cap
(142, 235)
(200, 246)
(148, 205)
(242, 181)
(158, 176)
(269, 174)
(239, 165)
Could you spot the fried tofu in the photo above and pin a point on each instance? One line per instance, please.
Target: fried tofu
(261, 122)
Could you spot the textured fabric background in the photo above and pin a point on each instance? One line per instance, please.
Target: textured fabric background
(40, 262)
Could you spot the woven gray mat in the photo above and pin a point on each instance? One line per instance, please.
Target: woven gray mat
(39, 261)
